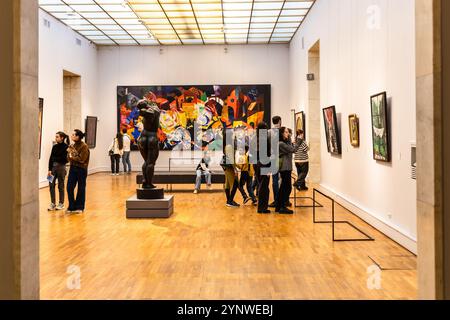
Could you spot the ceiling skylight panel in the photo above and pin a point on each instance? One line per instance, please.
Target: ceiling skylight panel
(191, 20)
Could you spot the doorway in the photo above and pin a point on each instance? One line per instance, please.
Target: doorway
(313, 116)
(72, 101)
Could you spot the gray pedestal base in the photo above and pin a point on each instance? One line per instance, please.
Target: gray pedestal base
(160, 208)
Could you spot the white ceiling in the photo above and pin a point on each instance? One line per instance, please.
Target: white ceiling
(181, 22)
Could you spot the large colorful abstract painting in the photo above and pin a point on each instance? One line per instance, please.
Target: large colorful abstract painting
(194, 117)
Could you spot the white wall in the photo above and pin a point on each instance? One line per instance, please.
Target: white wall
(59, 51)
(357, 62)
(197, 65)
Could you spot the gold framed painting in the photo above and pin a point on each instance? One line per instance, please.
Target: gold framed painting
(353, 122)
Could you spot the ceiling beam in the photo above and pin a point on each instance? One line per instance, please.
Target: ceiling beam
(168, 19)
(195, 16)
(89, 22)
(276, 22)
(250, 21)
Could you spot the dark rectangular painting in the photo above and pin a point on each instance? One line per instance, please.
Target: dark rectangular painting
(41, 118)
(380, 129)
(211, 108)
(332, 130)
(91, 131)
(300, 122)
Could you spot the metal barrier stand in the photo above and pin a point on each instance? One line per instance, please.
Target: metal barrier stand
(334, 222)
(317, 204)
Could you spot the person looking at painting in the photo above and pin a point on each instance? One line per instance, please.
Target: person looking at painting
(276, 122)
(231, 177)
(78, 155)
(126, 152)
(287, 150)
(115, 153)
(262, 177)
(203, 170)
(57, 169)
(246, 179)
(302, 162)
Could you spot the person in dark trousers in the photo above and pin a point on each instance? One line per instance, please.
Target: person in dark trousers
(115, 153)
(231, 179)
(287, 150)
(78, 156)
(57, 170)
(263, 177)
(126, 152)
(302, 162)
(276, 122)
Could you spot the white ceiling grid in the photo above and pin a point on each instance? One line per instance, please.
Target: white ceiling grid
(181, 22)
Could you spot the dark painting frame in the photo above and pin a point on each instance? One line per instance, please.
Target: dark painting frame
(334, 147)
(381, 136)
(40, 124)
(300, 116)
(91, 131)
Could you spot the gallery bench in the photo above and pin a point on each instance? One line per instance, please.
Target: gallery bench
(181, 177)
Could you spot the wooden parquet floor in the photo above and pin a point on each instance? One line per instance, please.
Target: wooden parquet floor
(207, 251)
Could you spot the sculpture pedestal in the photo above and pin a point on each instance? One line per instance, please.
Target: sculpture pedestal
(150, 208)
(150, 194)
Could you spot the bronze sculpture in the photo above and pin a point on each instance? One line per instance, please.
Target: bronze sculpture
(148, 141)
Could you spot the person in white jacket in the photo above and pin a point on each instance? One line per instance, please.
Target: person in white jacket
(116, 152)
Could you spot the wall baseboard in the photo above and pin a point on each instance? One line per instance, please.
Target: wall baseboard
(384, 227)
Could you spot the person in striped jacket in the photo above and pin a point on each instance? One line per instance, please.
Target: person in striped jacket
(302, 162)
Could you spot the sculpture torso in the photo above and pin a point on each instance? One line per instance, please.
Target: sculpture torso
(148, 141)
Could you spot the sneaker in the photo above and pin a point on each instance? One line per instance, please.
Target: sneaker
(286, 211)
(117, 174)
(195, 191)
(113, 174)
(264, 212)
(232, 205)
(52, 207)
(78, 211)
(60, 207)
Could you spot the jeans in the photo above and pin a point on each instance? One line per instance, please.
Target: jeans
(126, 161)
(302, 173)
(59, 173)
(276, 185)
(285, 189)
(115, 163)
(198, 180)
(77, 176)
(246, 180)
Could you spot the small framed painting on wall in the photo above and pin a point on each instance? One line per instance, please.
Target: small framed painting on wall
(91, 132)
(332, 132)
(380, 128)
(353, 122)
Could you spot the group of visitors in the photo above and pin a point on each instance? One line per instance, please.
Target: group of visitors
(120, 148)
(256, 177)
(76, 154)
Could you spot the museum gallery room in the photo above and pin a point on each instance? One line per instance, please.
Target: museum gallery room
(224, 149)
